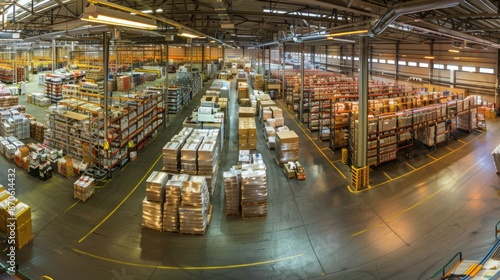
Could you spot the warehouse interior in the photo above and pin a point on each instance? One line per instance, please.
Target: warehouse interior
(228, 139)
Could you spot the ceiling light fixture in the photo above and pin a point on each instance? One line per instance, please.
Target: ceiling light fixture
(183, 33)
(355, 32)
(101, 15)
(429, 57)
(454, 51)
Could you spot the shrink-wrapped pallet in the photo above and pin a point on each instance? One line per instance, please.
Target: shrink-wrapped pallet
(287, 146)
(193, 212)
(152, 214)
(253, 190)
(155, 185)
(232, 191)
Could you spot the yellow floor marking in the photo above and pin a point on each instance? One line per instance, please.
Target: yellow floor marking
(121, 203)
(414, 170)
(431, 156)
(69, 208)
(387, 175)
(397, 215)
(461, 141)
(449, 148)
(167, 267)
(410, 165)
(312, 141)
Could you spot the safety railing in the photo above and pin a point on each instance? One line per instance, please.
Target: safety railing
(443, 270)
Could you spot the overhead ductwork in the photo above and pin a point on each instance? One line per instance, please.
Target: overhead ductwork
(409, 8)
(73, 32)
(11, 36)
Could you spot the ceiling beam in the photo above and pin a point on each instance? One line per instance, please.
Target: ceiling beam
(65, 8)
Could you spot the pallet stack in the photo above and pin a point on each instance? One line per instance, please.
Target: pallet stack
(194, 209)
(84, 188)
(152, 205)
(173, 202)
(287, 146)
(253, 191)
(247, 133)
(123, 83)
(232, 191)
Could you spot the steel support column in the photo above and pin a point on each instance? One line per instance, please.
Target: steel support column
(301, 98)
(362, 133)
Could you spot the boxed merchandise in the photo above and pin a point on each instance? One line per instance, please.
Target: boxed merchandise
(152, 217)
(155, 186)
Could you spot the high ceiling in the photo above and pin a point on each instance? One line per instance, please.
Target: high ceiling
(471, 22)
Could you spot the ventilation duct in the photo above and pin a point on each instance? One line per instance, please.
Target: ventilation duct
(408, 8)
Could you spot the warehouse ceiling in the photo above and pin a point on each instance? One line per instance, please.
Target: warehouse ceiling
(255, 22)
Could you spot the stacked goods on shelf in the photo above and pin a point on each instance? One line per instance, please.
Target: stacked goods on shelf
(194, 209)
(123, 83)
(38, 99)
(232, 193)
(83, 188)
(95, 75)
(467, 114)
(14, 124)
(274, 120)
(287, 146)
(496, 158)
(253, 190)
(172, 202)
(70, 91)
(152, 205)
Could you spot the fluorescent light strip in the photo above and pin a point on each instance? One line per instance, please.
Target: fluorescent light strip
(454, 51)
(187, 35)
(349, 33)
(118, 21)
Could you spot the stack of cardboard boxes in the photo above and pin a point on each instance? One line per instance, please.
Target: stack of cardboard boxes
(247, 134)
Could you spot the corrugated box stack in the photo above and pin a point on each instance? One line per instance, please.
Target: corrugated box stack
(193, 212)
(172, 202)
(287, 146)
(152, 215)
(258, 83)
(172, 155)
(243, 92)
(123, 83)
(189, 154)
(13, 208)
(253, 190)
(247, 134)
(208, 158)
(83, 188)
(264, 110)
(24, 227)
(232, 191)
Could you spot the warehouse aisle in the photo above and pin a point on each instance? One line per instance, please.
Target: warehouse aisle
(315, 228)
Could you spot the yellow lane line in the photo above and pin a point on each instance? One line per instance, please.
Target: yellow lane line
(121, 203)
(461, 141)
(431, 157)
(167, 267)
(397, 215)
(387, 175)
(69, 208)
(414, 170)
(324, 149)
(312, 141)
(410, 166)
(449, 148)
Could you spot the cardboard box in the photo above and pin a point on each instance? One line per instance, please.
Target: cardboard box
(252, 141)
(246, 112)
(252, 146)
(243, 146)
(287, 137)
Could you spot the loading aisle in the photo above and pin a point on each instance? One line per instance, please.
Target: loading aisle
(314, 227)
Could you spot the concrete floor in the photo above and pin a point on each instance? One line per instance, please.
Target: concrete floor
(416, 216)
